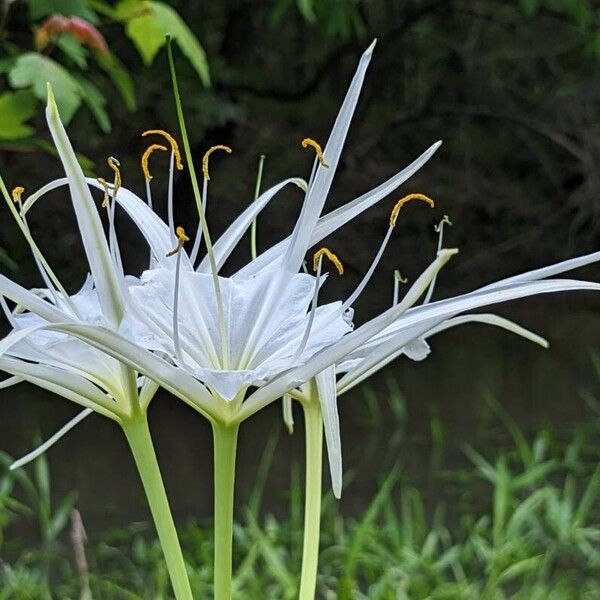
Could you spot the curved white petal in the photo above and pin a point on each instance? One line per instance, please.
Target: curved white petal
(420, 320)
(225, 245)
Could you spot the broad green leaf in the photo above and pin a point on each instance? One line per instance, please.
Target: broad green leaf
(33, 70)
(147, 24)
(95, 101)
(15, 109)
(142, 27)
(42, 8)
(188, 43)
(120, 77)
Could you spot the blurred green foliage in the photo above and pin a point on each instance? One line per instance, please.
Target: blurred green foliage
(522, 522)
(62, 43)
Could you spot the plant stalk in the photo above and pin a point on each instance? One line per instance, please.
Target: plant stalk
(312, 501)
(140, 442)
(225, 446)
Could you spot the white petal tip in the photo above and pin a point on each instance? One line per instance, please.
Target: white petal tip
(337, 492)
(369, 50)
(437, 145)
(13, 467)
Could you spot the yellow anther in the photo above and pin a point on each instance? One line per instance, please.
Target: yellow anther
(403, 201)
(104, 184)
(146, 156)
(182, 238)
(114, 164)
(207, 154)
(317, 147)
(331, 256)
(172, 141)
(17, 193)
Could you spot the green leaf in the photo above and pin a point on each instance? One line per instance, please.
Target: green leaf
(142, 27)
(95, 101)
(68, 8)
(307, 10)
(188, 43)
(73, 49)
(33, 70)
(147, 24)
(6, 260)
(15, 109)
(120, 77)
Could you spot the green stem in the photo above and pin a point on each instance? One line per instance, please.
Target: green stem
(140, 442)
(312, 501)
(225, 446)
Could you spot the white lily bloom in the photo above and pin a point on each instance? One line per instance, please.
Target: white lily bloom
(277, 338)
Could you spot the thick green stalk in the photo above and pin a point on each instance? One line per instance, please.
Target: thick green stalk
(225, 446)
(140, 442)
(312, 501)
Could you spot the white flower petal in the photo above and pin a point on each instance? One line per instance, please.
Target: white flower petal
(225, 245)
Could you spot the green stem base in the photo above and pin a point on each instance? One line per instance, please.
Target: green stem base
(225, 446)
(140, 442)
(312, 501)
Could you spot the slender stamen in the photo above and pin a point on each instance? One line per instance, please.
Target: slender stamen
(206, 178)
(199, 205)
(393, 218)
(206, 156)
(42, 264)
(253, 249)
(317, 147)
(170, 216)
(439, 228)
(181, 239)
(317, 265)
(16, 194)
(172, 141)
(113, 243)
(398, 279)
(114, 164)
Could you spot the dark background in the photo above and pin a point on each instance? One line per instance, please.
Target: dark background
(513, 93)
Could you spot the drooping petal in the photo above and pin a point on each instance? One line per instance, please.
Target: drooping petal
(326, 387)
(96, 248)
(53, 439)
(420, 320)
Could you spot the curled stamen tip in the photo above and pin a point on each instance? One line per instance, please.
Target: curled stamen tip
(306, 142)
(114, 164)
(207, 155)
(403, 201)
(146, 156)
(398, 277)
(17, 192)
(172, 141)
(181, 239)
(331, 256)
(445, 221)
